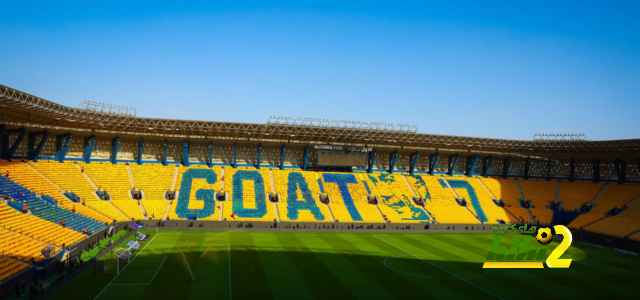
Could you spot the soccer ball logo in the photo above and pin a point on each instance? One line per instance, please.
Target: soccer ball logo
(544, 235)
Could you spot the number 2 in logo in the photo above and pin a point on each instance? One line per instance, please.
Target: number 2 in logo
(554, 261)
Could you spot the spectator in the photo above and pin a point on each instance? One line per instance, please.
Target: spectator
(64, 223)
(25, 208)
(6, 174)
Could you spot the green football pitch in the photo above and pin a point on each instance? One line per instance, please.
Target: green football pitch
(324, 265)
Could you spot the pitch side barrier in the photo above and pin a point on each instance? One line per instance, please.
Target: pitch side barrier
(184, 225)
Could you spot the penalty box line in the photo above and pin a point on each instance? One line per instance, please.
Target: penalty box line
(114, 278)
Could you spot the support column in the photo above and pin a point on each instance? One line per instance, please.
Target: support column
(572, 169)
(89, 143)
(115, 144)
(306, 157)
(8, 152)
(506, 164)
(235, 155)
(259, 155)
(527, 167)
(453, 161)
(61, 148)
(393, 157)
(413, 161)
(486, 165)
(164, 153)
(433, 162)
(282, 155)
(140, 150)
(185, 153)
(34, 152)
(372, 160)
(621, 170)
(595, 164)
(472, 163)
(210, 154)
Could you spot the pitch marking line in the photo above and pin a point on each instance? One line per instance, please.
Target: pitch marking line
(188, 267)
(154, 275)
(492, 294)
(114, 278)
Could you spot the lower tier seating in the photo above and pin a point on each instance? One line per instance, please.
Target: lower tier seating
(36, 228)
(10, 267)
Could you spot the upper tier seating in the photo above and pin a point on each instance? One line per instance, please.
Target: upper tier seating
(45, 210)
(112, 178)
(492, 212)
(69, 177)
(349, 198)
(247, 190)
(153, 179)
(575, 194)
(115, 180)
(612, 196)
(539, 192)
(621, 225)
(439, 201)
(507, 191)
(396, 198)
(299, 197)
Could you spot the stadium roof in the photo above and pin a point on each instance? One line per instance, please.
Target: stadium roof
(22, 109)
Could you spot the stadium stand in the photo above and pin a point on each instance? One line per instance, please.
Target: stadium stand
(575, 194)
(10, 267)
(613, 195)
(439, 201)
(507, 191)
(395, 196)
(68, 177)
(299, 197)
(45, 209)
(153, 179)
(622, 225)
(25, 175)
(539, 192)
(475, 192)
(115, 180)
(248, 197)
(36, 228)
(348, 198)
(20, 247)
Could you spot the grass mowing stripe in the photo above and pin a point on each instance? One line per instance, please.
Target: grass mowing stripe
(475, 253)
(282, 274)
(373, 266)
(465, 280)
(256, 285)
(438, 286)
(320, 280)
(354, 278)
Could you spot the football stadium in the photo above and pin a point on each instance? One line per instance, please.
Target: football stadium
(100, 202)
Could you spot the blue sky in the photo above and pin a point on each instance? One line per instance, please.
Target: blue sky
(501, 69)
